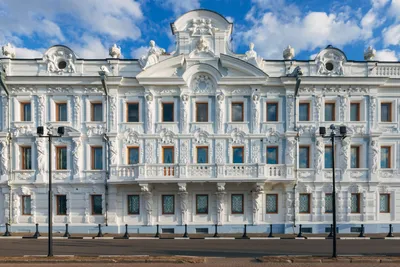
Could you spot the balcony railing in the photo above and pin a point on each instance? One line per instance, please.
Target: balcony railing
(201, 171)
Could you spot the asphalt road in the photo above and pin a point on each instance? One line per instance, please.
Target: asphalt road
(210, 248)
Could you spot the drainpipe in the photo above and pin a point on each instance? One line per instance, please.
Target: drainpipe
(4, 86)
(103, 78)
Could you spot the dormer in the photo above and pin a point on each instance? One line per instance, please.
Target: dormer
(202, 33)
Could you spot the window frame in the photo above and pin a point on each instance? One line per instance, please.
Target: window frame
(201, 103)
(127, 199)
(92, 104)
(197, 154)
(23, 205)
(173, 154)
(236, 103)
(92, 204)
(58, 149)
(358, 110)
(57, 205)
(128, 149)
(208, 200)
(390, 106)
(309, 203)
(22, 151)
(277, 203)
(22, 110)
(308, 111)
(162, 205)
(232, 212)
(243, 160)
(358, 165)
(127, 111)
(277, 154)
(57, 105)
(329, 194)
(277, 111)
(327, 103)
(308, 156)
(162, 111)
(358, 203)
(389, 156)
(388, 202)
(92, 163)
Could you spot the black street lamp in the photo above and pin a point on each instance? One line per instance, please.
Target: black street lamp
(332, 136)
(40, 132)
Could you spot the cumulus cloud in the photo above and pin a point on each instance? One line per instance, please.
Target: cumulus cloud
(180, 6)
(394, 9)
(391, 35)
(22, 52)
(379, 3)
(139, 51)
(386, 55)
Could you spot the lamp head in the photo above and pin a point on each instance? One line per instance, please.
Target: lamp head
(40, 130)
(61, 130)
(322, 131)
(343, 130)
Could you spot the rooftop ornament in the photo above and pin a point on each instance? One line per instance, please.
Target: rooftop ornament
(8, 51)
(152, 56)
(115, 51)
(369, 53)
(288, 53)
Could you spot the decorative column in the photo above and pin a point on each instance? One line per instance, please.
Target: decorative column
(113, 151)
(77, 112)
(113, 113)
(374, 159)
(255, 113)
(257, 193)
(6, 193)
(4, 160)
(319, 156)
(345, 155)
(87, 207)
(76, 156)
(5, 114)
(289, 196)
(184, 113)
(149, 113)
(41, 99)
(41, 161)
(148, 202)
(220, 103)
(16, 207)
(344, 100)
(220, 194)
(183, 200)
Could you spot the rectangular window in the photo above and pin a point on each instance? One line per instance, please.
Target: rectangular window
(202, 112)
(272, 203)
(304, 158)
(272, 155)
(167, 112)
(168, 158)
(97, 158)
(304, 205)
(237, 203)
(132, 112)
(238, 154)
(168, 204)
(202, 154)
(384, 203)
(304, 111)
(61, 112)
(328, 157)
(26, 114)
(329, 111)
(385, 157)
(328, 203)
(355, 112)
(97, 205)
(133, 155)
(26, 158)
(26, 205)
(386, 112)
(355, 157)
(355, 203)
(272, 111)
(237, 111)
(97, 112)
(61, 160)
(201, 204)
(61, 205)
(133, 204)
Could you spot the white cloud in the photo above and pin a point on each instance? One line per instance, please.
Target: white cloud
(386, 55)
(91, 47)
(391, 35)
(180, 6)
(394, 9)
(139, 52)
(313, 56)
(379, 3)
(22, 52)
(230, 19)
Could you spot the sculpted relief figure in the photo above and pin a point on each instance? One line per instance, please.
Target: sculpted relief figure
(51, 63)
(320, 155)
(252, 58)
(374, 156)
(152, 56)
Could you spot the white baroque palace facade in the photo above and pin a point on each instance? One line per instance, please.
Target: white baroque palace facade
(199, 136)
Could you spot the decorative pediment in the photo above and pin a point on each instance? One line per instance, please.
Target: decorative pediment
(130, 136)
(167, 136)
(330, 61)
(241, 67)
(60, 59)
(201, 136)
(237, 136)
(273, 136)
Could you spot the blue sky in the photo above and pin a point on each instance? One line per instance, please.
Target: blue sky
(90, 27)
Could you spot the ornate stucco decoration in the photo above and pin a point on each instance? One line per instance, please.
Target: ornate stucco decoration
(330, 62)
(130, 136)
(60, 60)
(202, 84)
(201, 136)
(23, 130)
(167, 137)
(203, 49)
(252, 57)
(288, 53)
(273, 136)
(152, 57)
(115, 51)
(59, 89)
(237, 136)
(23, 89)
(374, 156)
(95, 130)
(201, 26)
(8, 51)
(3, 157)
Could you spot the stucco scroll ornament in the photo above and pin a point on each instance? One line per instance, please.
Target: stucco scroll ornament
(167, 136)
(203, 84)
(374, 156)
(76, 153)
(343, 106)
(201, 136)
(148, 202)
(318, 105)
(40, 155)
(237, 136)
(319, 146)
(252, 57)
(152, 57)
(373, 110)
(77, 109)
(113, 110)
(3, 157)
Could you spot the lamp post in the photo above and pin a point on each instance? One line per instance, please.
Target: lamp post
(332, 136)
(40, 132)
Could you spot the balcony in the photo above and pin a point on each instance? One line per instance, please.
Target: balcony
(200, 171)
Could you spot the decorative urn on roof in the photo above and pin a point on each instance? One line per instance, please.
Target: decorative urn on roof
(8, 51)
(115, 51)
(288, 53)
(369, 53)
